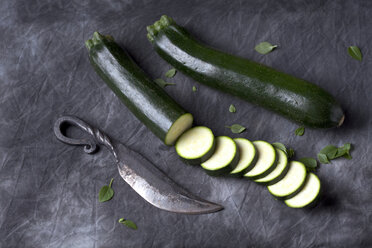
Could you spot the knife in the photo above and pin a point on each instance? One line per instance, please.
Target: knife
(145, 178)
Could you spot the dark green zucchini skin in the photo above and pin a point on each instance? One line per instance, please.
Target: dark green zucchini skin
(294, 98)
(145, 99)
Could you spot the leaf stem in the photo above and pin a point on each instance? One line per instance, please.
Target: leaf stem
(111, 182)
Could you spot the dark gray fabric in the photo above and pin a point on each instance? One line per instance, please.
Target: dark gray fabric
(49, 189)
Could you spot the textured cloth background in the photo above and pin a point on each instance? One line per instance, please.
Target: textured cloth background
(49, 190)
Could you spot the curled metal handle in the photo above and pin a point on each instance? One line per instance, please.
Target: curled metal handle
(90, 145)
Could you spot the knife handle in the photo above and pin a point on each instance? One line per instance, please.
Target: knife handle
(90, 144)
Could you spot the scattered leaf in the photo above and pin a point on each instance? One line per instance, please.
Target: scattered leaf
(128, 223)
(290, 153)
(106, 192)
(310, 163)
(280, 146)
(300, 131)
(232, 108)
(355, 52)
(323, 158)
(264, 47)
(194, 89)
(344, 151)
(162, 83)
(330, 151)
(236, 128)
(333, 152)
(171, 73)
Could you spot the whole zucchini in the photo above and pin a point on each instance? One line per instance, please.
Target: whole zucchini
(291, 97)
(147, 101)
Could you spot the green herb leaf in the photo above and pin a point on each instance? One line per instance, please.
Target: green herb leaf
(280, 146)
(162, 83)
(171, 73)
(330, 151)
(290, 153)
(344, 151)
(128, 223)
(300, 131)
(264, 47)
(355, 52)
(310, 163)
(232, 108)
(236, 128)
(106, 192)
(323, 158)
(194, 89)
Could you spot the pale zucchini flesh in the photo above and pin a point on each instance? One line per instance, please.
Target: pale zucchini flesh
(224, 159)
(308, 194)
(279, 171)
(196, 145)
(266, 160)
(178, 128)
(247, 153)
(291, 183)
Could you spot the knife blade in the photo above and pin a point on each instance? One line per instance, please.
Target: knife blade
(144, 177)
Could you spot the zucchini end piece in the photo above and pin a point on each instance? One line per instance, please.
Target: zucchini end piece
(183, 123)
(153, 30)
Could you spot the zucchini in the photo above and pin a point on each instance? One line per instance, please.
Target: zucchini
(307, 195)
(224, 159)
(248, 157)
(146, 100)
(196, 145)
(291, 183)
(279, 172)
(266, 161)
(294, 98)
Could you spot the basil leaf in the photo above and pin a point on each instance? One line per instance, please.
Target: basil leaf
(162, 83)
(300, 131)
(323, 158)
(106, 192)
(355, 52)
(236, 128)
(280, 146)
(344, 151)
(194, 89)
(290, 153)
(232, 108)
(310, 163)
(128, 223)
(330, 151)
(264, 47)
(171, 73)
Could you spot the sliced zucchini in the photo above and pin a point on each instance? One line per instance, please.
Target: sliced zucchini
(291, 183)
(280, 170)
(307, 195)
(266, 160)
(182, 124)
(224, 159)
(196, 145)
(248, 157)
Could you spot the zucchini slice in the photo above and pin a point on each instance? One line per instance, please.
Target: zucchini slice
(146, 100)
(196, 145)
(280, 170)
(224, 159)
(266, 160)
(291, 183)
(248, 157)
(294, 98)
(307, 195)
